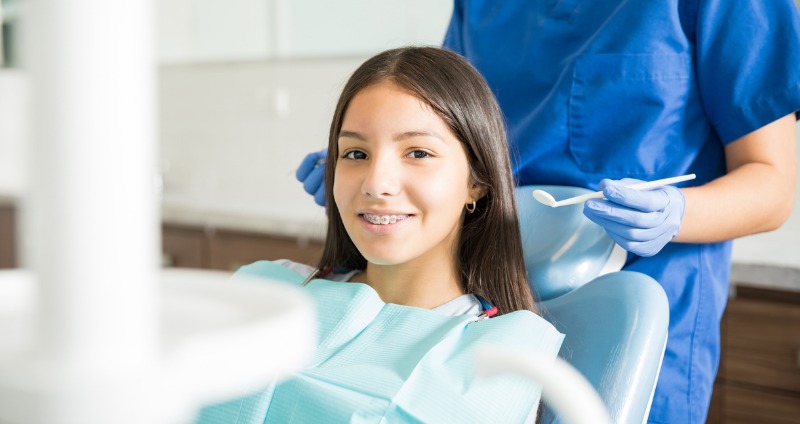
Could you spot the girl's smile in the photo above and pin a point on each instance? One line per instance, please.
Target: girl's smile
(384, 223)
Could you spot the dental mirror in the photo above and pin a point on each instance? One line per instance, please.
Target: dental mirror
(547, 199)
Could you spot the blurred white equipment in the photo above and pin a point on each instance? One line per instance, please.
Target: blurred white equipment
(217, 339)
(92, 333)
(564, 388)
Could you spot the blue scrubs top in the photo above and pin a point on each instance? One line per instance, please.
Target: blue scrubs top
(643, 89)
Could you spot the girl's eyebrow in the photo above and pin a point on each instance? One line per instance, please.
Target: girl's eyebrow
(352, 134)
(410, 134)
(398, 137)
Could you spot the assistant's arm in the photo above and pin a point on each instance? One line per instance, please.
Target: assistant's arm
(756, 194)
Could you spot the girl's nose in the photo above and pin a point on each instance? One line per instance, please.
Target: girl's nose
(382, 178)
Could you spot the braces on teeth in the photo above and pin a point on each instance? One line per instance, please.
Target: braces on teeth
(384, 219)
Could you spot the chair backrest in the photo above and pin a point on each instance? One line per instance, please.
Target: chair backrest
(563, 249)
(615, 323)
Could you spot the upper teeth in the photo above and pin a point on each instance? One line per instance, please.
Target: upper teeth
(384, 219)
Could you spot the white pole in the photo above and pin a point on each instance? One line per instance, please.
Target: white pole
(92, 209)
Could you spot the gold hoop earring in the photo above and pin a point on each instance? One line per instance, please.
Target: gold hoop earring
(472, 208)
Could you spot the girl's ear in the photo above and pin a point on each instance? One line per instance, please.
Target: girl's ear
(476, 192)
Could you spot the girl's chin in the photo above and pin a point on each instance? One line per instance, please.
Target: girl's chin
(383, 260)
(385, 255)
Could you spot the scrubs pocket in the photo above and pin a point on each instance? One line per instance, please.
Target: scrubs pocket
(626, 112)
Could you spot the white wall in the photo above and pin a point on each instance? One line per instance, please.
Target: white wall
(212, 30)
(781, 247)
(192, 31)
(232, 135)
(13, 132)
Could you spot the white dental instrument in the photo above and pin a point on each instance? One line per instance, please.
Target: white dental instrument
(547, 199)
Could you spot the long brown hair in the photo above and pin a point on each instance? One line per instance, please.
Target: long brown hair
(489, 257)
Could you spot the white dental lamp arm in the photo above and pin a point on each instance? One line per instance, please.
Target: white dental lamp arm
(563, 387)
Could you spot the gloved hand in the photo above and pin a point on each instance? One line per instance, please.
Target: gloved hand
(641, 221)
(312, 174)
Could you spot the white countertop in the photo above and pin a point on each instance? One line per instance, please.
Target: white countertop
(250, 216)
(771, 277)
(239, 215)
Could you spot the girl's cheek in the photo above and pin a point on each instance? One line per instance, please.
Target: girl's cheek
(344, 183)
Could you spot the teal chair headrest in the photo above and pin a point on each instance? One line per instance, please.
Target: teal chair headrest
(563, 249)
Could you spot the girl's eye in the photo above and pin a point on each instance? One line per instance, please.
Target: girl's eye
(354, 154)
(419, 154)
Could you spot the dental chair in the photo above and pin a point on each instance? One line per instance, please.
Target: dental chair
(615, 322)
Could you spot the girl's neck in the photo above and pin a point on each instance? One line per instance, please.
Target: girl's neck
(412, 284)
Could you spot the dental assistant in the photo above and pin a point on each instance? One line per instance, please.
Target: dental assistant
(651, 89)
(595, 92)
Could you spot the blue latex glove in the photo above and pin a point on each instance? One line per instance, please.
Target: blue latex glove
(312, 174)
(641, 221)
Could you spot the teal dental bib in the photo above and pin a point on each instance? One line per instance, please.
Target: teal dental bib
(385, 363)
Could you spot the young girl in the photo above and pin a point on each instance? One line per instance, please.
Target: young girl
(422, 261)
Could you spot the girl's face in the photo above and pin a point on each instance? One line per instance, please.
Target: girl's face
(401, 180)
